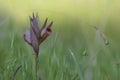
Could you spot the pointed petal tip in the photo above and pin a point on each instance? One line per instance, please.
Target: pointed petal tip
(50, 24)
(45, 21)
(46, 18)
(30, 18)
(33, 15)
(37, 15)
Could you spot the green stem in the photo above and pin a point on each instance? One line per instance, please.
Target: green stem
(34, 67)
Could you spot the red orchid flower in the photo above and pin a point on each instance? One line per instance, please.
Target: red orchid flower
(35, 36)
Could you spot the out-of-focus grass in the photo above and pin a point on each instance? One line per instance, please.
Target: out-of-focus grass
(68, 54)
(74, 51)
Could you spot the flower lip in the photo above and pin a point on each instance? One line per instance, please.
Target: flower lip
(49, 30)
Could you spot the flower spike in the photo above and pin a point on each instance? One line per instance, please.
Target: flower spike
(35, 36)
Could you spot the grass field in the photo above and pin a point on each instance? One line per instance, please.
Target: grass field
(74, 50)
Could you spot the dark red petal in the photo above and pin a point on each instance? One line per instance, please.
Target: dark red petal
(49, 30)
(34, 41)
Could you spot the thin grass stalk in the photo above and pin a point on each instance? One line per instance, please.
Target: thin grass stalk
(34, 67)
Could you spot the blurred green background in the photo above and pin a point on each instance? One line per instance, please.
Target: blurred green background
(74, 51)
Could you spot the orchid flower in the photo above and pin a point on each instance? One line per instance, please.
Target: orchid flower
(35, 36)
